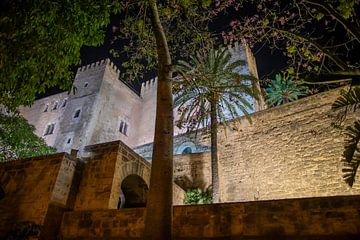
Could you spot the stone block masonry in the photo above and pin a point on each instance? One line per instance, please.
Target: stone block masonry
(31, 186)
(326, 218)
(287, 152)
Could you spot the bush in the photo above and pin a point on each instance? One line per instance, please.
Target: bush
(198, 196)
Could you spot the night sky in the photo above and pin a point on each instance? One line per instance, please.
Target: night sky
(268, 62)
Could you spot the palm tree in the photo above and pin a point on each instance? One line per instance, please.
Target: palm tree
(350, 101)
(212, 89)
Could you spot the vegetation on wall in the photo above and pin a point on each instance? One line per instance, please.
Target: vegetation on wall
(18, 140)
(198, 196)
(211, 89)
(283, 90)
(41, 40)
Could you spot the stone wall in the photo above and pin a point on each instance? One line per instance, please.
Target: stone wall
(29, 186)
(192, 170)
(287, 152)
(312, 218)
(104, 172)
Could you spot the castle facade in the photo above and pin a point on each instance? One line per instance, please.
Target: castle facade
(101, 108)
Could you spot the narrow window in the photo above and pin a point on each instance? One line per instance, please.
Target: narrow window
(50, 129)
(68, 141)
(64, 103)
(123, 127)
(55, 106)
(2, 193)
(86, 84)
(77, 113)
(46, 108)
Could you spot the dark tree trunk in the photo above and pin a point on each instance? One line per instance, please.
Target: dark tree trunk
(158, 219)
(214, 156)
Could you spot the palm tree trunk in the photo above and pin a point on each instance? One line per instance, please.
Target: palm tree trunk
(214, 157)
(158, 219)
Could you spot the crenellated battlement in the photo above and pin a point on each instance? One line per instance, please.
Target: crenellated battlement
(94, 65)
(148, 85)
(97, 64)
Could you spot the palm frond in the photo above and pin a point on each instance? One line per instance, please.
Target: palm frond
(348, 99)
(351, 155)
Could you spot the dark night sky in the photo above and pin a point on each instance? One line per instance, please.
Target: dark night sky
(268, 62)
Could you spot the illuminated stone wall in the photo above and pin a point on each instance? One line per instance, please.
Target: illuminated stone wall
(287, 152)
(31, 186)
(313, 218)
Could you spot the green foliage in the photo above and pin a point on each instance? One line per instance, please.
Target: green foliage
(40, 40)
(210, 74)
(348, 99)
(185, 24)
(198, 196)
(17, 139)
(283, 90)
(307, 32)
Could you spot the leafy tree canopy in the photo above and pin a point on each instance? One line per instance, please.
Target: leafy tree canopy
(40, 40)
(185, 25)
(18, 140)
(317, 36)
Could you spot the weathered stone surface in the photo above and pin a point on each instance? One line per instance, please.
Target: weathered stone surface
(30, 185)
(287, 152)
(311, 218)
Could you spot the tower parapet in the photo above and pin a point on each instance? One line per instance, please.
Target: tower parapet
(148, 86)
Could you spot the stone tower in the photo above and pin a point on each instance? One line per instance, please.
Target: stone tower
(101, 108)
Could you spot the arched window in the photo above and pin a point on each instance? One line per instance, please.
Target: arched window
(187, 150)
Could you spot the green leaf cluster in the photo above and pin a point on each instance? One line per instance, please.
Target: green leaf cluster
(198, 196)
(39, 42)
(283, 90)
(18, 140)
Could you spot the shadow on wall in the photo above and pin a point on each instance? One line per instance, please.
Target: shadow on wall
(133, 192)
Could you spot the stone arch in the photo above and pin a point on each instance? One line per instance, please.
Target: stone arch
(128, 164)
(133, 192)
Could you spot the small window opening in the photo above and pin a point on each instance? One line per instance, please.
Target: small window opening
(77, 113)
(2, 193)
(86, 84)
(187, 150)
(68, 141)
(46, 108)
(123, 127)
(55, 106)
(50, 129)
(64, 103)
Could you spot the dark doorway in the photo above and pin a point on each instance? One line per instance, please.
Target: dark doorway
(134, 190)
